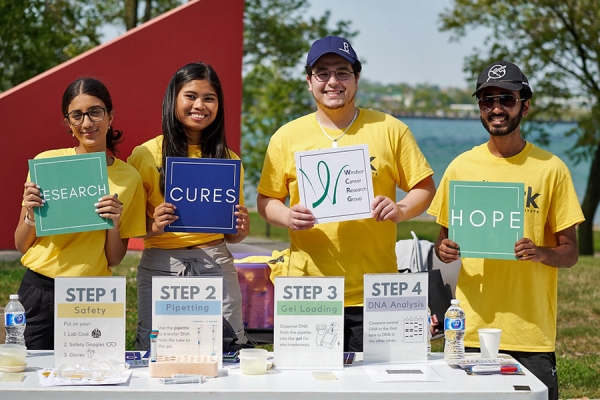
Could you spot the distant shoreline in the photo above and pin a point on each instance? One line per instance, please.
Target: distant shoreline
(466, 118)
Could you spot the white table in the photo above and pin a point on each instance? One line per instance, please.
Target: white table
(352, 384)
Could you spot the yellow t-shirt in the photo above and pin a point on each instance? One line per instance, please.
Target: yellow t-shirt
(82, 254)
(350, 248)
(517, 296)
(147, 158)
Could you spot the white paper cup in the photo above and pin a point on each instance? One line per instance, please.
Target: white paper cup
(489, 342)
(253, 361)
(12, 355)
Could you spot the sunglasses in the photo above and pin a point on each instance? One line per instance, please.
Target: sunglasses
(506, 101)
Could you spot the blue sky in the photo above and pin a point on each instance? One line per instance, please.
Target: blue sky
(400, 42)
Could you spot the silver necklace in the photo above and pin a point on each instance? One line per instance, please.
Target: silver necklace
(334, 140)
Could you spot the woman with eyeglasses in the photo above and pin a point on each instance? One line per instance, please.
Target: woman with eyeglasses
(88, 112)
(193, 125)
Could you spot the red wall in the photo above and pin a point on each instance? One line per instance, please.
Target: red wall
(136, 68)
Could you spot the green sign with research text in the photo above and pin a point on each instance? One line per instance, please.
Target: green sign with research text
(71, 185)
(486, 218)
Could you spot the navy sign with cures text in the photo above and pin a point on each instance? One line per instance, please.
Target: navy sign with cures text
(205, 192)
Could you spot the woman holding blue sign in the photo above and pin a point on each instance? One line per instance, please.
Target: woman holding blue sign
(193, 123)
(88, 112)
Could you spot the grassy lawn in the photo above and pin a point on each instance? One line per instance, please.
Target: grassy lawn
(426, 230)
(577, 344)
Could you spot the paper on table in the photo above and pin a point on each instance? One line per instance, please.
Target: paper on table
(402, 373)
(47, 377)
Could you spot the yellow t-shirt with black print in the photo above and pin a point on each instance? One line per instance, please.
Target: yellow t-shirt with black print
(520, 297)
(349, 248)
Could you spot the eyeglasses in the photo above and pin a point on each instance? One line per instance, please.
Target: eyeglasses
(95, 114)
(340, 75)
(506, 101)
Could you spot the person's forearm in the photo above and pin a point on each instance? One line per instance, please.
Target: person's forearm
(274, 211)
(416, 201)
(24, 234)
(562, 256)
(115, 247)
(233, 238)
(151, 228)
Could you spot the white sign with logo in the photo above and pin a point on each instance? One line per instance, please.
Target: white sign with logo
(395, 317)
(89, 319)
(309, 322)
(187, 312)
(335, 184)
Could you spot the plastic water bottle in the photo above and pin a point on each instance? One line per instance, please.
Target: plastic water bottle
(15, 321)
(428, 332)
(454, 332)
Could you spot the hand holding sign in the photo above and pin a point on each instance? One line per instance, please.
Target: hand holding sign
(526, 250)
(385, 209)
(242, 223)
(32, 197)
(163, 215)
(110, 207)
(449, 251)
(301, 218)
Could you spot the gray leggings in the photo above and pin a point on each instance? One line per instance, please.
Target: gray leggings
(211, 261)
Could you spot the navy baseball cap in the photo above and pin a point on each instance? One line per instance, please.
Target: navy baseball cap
(331, 44)
(504, 75)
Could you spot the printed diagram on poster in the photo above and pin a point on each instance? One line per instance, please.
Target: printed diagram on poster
(71, 185)
(309, 320)
(205, 192)
(89, 316)
(483, 210)
(336, 184)
(187, 313)
(395, 317)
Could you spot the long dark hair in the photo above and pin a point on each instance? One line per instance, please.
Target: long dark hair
(175, 142)
(93, 87)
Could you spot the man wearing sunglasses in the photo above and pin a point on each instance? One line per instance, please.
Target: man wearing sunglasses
(519, 296)
(347, 248)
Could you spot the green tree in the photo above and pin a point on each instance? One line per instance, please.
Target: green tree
(277, 36)
(36, 35)
(131, 13)
(557, 44)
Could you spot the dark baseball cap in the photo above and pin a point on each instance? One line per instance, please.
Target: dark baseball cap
(504, 75)
(331, 44)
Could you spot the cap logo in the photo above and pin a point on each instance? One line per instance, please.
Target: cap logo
(346, 48)
(496, 72)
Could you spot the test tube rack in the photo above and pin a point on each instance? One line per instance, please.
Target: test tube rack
(167, 366)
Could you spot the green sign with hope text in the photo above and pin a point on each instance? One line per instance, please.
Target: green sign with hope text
(71, 185)
(486, 218)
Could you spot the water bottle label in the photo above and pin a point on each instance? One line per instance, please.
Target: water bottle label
(451, 324)
(13, 319)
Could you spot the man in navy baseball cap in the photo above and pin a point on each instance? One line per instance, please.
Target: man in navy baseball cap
(331, 44)
(352, 246)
